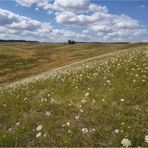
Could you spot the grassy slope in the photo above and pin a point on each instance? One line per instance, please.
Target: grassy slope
(19, 60)
(117, 91)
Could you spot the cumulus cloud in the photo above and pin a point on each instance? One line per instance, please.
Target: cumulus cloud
(58, 5)
(29, 3)
(16, 22)
(93, 21)
(14, 26)
(71, 18)
(103, 24)
(70, 5)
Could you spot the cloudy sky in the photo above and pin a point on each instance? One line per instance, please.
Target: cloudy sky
(80, 20)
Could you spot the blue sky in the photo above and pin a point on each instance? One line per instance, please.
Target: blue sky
(81, 20)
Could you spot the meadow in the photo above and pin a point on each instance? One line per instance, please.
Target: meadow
(100, 101)
(20, 60)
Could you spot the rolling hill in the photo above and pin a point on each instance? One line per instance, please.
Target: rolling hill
(100, 101)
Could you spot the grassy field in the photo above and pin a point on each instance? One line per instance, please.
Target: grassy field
(20, 60)
(101, 101)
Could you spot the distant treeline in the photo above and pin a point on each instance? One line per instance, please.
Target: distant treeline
(1, 40)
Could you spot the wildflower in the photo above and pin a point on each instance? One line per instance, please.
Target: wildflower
(92, 130)
(18, 123)
(45, 135)
(69, 131)
(39, 128)
(83, 101)
(77, 117)
(38, 134)
(116, 131)
(52, 101)
(122, 123)
(93, 101)
(68, 123)
(84, 130)
(86, 94)
(137, 75)
(25, 98)
(108, 81)
(81, 110)
(143, 80)
(126, 142)
(48, 113)
(122, 100)
(103, 100)
(146, 138)
(63, 125)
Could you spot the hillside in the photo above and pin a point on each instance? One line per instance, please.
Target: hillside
(20, 60)
(101, 101)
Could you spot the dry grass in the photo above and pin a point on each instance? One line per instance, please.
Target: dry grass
(20, 60)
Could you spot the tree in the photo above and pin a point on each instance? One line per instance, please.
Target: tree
(71, 42)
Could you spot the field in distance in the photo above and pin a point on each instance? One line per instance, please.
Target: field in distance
(20, 60)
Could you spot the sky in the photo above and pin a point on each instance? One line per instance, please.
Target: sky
(79, 20)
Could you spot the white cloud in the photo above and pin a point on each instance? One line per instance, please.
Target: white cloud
(97, 8)
(58, 5)
(14, 26)
(28, 3)
(93, 21)
(103, 24)
(16, 22)
(71, 18)
(70, 5)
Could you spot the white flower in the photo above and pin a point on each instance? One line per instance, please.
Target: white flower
(126, 142)
(92, 130)
(47, 113)
(39, 128)
(25, 98)
(143, 80)
(108, 81)
(81, 110)
(77, 117)
(84, 130)
(122, 100)
(18, 123)
(83, 101)
(93, 101)
(137, 75)
(146, 138)
(116, 131)
(69, 131)
(68, 123)
(63, 125)
(103, 100)
(38, 134)
(87, 94)
(45, 135)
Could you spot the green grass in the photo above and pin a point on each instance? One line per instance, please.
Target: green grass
(101, 94)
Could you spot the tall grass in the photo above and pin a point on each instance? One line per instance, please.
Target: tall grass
(98, 102)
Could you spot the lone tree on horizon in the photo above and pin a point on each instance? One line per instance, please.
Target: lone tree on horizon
(71, 42)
